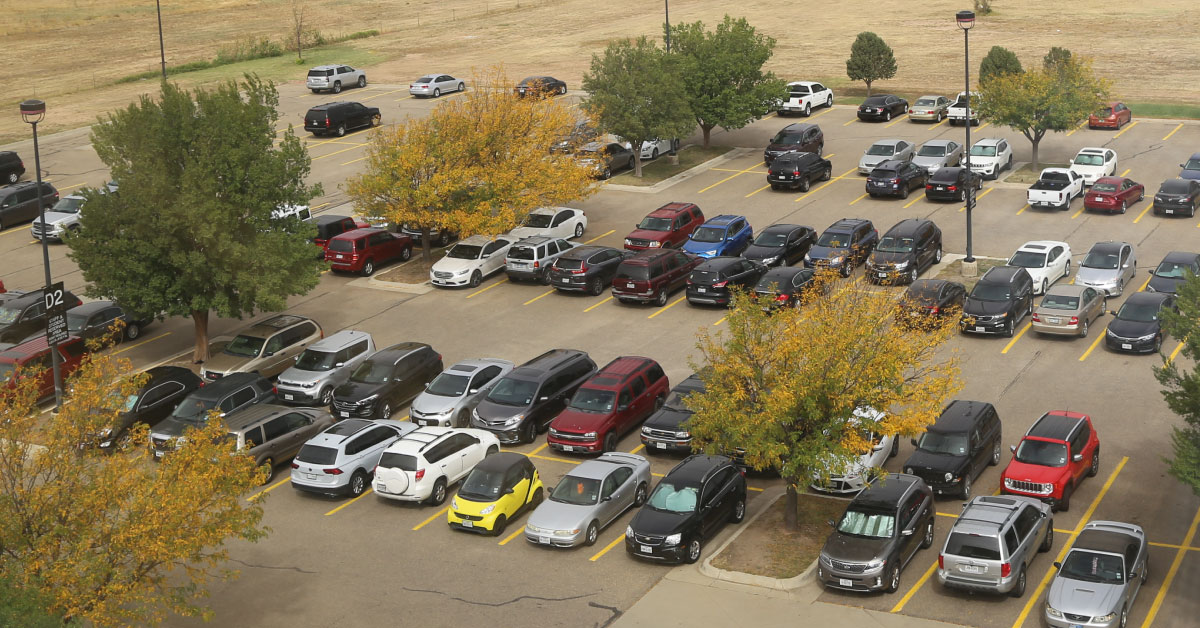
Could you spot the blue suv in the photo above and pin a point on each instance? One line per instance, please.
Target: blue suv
(721, 235)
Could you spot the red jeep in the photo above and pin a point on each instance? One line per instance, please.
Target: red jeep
(33, 357)
(363, 250)
(1052, 459)
(615, 400)
(666, 227)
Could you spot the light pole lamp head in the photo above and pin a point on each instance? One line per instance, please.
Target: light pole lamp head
(32, 111)
(965, 19)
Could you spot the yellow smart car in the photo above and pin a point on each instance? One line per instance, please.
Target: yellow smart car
(497, 491)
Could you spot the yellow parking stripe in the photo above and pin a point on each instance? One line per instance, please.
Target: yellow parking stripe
(1173, 354)
(1145, 283)
(944, 121)
(365, 493)
(638, 448)
(430, 519)
(404, 98)
(1127, 127)
(270, 488)
(512, 536)
(1177, 127)
(852, 121)
(913, 202)
(1162, 591)
(982, 127)
(829, 156)
(539, 449)
(817, 115)
(667, 307)
(757, 191)
(1095, 343)
(1016, 338)
(1149, 206)
(478, 292)
(1076, 214)
(599, 304)
(890, 124)
(825, 185)
(736, 174)
(719, 321)
(347, 163)
(383, 94)
(864, 195)
(136, 345)
(607, 547)
(1022, 210)
(607, 233)
(1077, 127)
(551, 291)
(908, 596)
(339, 151)
(1126, 172)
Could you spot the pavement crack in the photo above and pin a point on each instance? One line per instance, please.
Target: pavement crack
(1020, 373)
(507, 602)
(616, 613)
(296, 569)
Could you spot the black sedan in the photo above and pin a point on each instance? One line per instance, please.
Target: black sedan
(781, 245)
(711, 283)
(1173, 270)
(587, 268)
(882, 107)
(165, 387)
(787, 286)
(539, 85)
(1178, 197)
(928, 302)
(798, 170)
(1137, 327)
(105, 319)
(950, 184)
(605, 158)
(895, 178)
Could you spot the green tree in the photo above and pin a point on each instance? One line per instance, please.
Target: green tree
(1057, 58)
(723, 73)
(191, 229)
(871, 59)
(1041, 100)
(1181, 387)
(999, 60)
(784, 386)
(27, 606)
(635, 90)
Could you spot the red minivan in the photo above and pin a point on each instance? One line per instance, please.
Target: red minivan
(34, 355)
(363, 250)
(614, 401)
(667, 227)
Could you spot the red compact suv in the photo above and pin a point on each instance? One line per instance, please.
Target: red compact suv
(34, 355)
(362, 250)
(1052, 459)
(651, 276)
(614, 401)
(667, 227)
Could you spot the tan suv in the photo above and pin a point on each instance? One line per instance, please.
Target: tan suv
(274, 434)
(266, 348)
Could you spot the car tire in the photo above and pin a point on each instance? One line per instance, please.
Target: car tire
(937, 256)
(1158, 344)
(610, 442)
(846, 269)
(895, 447)
(1064, 504)
(828, 174)
(341, 130)
(654, 153)
(385, 411)
(775, 187)
(437, 92)
(499, 525)
(693, 552)
(1083, 329)
(537, 498)
(962, 195)
(804, 184)
(362, 81)
(887, 115)
(476, 279)
(406, 254)
(607, 174)
(660, 299)
(438, 494)
(639, 497)
(1018, 589)
(738, 514)
(368, 268)
(595, 286)
(593, 531)
(894, 580)
(528, 432)
(964, 489)
(927, 540)
(326, 396)
(1048, 542)
(1045, 286)
(807, 110)
(337, 87)
(358, 483)
(268, 470)
(995, 459)
(912, 275)
(579, 230)
(462, 87)
(544, 277)
(132, 331)
(562, 89)
(1095, 467)
(316, 91)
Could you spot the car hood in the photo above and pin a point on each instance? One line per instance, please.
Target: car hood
(782, 148)
(426, 403)
(559, 516)
(172, 427)
(1079, 597)
(300, 376)
(1096, 275)
(925, 162)
(225, 363)
(492, 410)
(1163, 284)
(757, 252)
(878, 257)
(55, 217)
(1025, 472)
(646, 234)
(1084, 169)
(826, 252)
(1132, 329)
(668, 419)
(854, 549)
(944, 463)
(984, 308)
(870, 161)
(1189, 174)
(703, 248)
(526, 232)
(575, 421)
(450, 265)
(979, 160)
(355, 391)
(658, 522)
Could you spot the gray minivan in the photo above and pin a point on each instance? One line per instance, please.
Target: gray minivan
(273, 434)
(324, 366)
(19, 202)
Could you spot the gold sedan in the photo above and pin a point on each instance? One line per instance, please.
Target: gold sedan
(1068, 310)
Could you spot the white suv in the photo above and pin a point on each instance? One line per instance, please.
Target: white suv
(420, 466)
(334, 78)
(991, 156)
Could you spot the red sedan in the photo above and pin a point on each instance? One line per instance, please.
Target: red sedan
(1113, 194)
(1113, 116)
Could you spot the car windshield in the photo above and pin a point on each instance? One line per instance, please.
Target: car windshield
(195, 410)
(1140, 312)
(926, 102)
(482, 485)
(425, 79)
(372, 372)
(576, 491)
(464, 251)
(676, 400)
(1042, 453)
(513, 392)
(670, 498)
(871, 524)
(1089, 160)
(771, 239)
(1060, 302)
(654, 223)
(541, 221)
(973, 546)
(68, 205)
(312, 360)
(75, 322)
(984, 291)
(593, 400)
(1093, 567)
(892, 244)
(834, 240)
(245, 346)
(941, 443)
(1101, 259)
(709, 234)
(448, 385)
(932, 151)
(1192, 164)
(1027, 259)
(6, 372)
(881, 149)
(1168, 270)
(983, 151)
(787, 139)
(1104, 187)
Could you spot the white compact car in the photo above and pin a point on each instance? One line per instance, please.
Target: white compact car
(1046, 261)
(470, 260)
(651, 149)
(1093, 163)
(552, 222)
(991, 156)
(420, 466)
(858, 474)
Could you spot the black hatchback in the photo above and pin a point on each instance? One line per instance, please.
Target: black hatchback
(905, 251)
(929, 301)
(786, 286)
(687, 508)
(798, 170)
(895, 177)
(712, 282)
(950, 184)
(1178, 197)
(587, 269)
(781, 245)
(335, 118)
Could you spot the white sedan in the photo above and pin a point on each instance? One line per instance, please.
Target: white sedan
(1093, 163)
(855, 476)
(651, 149)
(552, 222)
(1046, 261)
(470, 260)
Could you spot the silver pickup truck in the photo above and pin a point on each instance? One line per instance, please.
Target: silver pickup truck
(1055, 189)
(60, 219)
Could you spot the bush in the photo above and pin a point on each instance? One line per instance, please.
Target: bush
(247, 49)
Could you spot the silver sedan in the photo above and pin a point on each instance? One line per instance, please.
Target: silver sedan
(1108, 267)
(1099, 579)
(434, 85)
(588, 499)
(936, 154)
(884, 150)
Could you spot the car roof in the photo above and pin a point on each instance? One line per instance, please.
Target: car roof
(1091, 150)
(645, 256)
(480, 240)
(847, 224)
(358, 234)
(987, 514)
(907, 226)
(1039, 246)
(692, 383)
(695, 468)
(782, 272)
(1109, 541)
(1176, 185)
(1056, 425)
(959, 416)
(28, 348)
(534, 240)
(91, 307)
(889, 142)
(471, 365)
(225, 385)
(939, 143)
(336, 341)
(326, 67)
(671, 209)
(886, 491)
(166, 371)
(397, 351)
(934, 96)
(806, 83)
(989, 141)
(537, 368)
(617, 372)
(501, 461)
(326, 105)
(782, 227)
(594, 469)
(722, 220)
(1147, 298)
(274, 324)
(252, 414)
(947, 173)
(890, 164)
(1001, 274)
(717, 263)
(24, 300)
(798, 127)
(325, 219)
(1180, 256)
(550, 211)
(1067, 290)
(1109, 246)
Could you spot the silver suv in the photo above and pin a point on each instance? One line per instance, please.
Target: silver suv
(334, 77)
(341, 460)
(450, 397)
(993, 542)
(531, 258)
(323, 366)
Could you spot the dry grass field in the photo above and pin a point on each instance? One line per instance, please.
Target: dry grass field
(71, 51)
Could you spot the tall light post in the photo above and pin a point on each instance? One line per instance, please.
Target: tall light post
(162, 52)
(966, 19)
(32, 112)
(667, 13)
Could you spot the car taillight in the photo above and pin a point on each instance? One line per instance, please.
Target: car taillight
(332, 471)
(419, 474)
(1036, 318)
(582, 270)
(327, 122)
(720, 284)
(933, 310)
(274, 390)
(1074, 320)
(911, 111)
(928, 186)
(941, 561)
(781, 298)
(295, 466)
(1005, 570)
(537, 264)
(896, 181)
(953, 188)
(796, 173)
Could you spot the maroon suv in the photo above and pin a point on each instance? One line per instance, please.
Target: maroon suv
(362, 250)
(651, 276)
(614, 401)
(667, 227)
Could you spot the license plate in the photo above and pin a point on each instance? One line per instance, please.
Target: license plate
(1076, 625)
(567, 448)
(1126, 346)
(941, 188)
(1053, 320)
(310, 476)
(845, 583)
(701, 290)
(340, 256)
(629, 285)
(344, 415)
(970, 568)
(289, 397)
(544, 540)
(980, 329)
(882, 275)
(1168, 211)
(645, 549)
(565, 280)
(468, 524)
(1098, 199)
(158, 454)
(660, 445)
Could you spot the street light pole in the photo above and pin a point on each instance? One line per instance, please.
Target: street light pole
(667, 11)
(32, 112)
(966, 19)
(162, 53)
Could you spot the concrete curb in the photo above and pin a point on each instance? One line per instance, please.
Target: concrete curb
(779, 584)
(393, 286)
(683, 176)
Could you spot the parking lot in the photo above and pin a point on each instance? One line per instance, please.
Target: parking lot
(327, 560)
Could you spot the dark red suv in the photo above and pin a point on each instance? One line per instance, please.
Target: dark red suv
(362, 250)
(651, 276)
(34, 357)
(614, 401)
(667, 227)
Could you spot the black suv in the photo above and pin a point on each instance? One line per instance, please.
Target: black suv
(895, 177)
(905, 251)
(801, 137)
(954, 451)
(387, 380)
(950, 184)
(523, 402)
(19, 202)
(781, 245)
(666, 429)
(165, 387)
(688, 507)
(11, 166)
(798, 170)
(844, 245)
(24, 315)
(880, 532)
(711, 283)
(1002, 298)
(339, 117)
(587, 269)
(226, 395)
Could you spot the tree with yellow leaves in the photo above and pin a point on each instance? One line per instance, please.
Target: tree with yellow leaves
(782, 387)
(114, 539)
(476, 165)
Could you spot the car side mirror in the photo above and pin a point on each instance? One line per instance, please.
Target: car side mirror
(1012, 448)
(339, 364)
(296, 359)
(268, 354)
(1077, 458)
(906, 532)
(913, 441)
(472, 391)
(508, 491)
(543, 398)
(1113, 312)
(1132, 575)
(831, 523)
(607, 498)
(877, 448)
(622, 407)
(1057, 565)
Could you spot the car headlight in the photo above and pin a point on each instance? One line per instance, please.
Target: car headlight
(462, 272)
(487, 510)
(454, 503)
(104, 433)
(901, 265)
(513, 420)
(770, 260)
(567, 532)
(1002, 315)
(1150, 288)
(807, 257)
(366, 400)
(1147, 337)
(711, 252)
(876, 563)
(1103, 618)
(655, 245)
(553, 432)
(628, 242)
(682, 435)
(673, 539)
(628, 530)
(1053, 612)
(837, 259)
(590, 435)
(948, 476)
(1110, 333)
(825, 560)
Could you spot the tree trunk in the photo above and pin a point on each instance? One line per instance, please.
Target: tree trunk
(791, 507)
(200, 319)
(706, 128)
(637, 161)
(868, 88)
(426, 246)
(1035, 152)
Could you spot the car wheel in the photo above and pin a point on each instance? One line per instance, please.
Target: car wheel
(829, 101)
(1048, 542)
(610, 442)
(804, 184)
(358, 483)
(739, 511)
(1141, 196)
(462, 87)
(774, 186)
(368, 268)
(937, 256)
(1095, 468)
(476, 279)
(927, 541)
(498, 527)
(912, 275)
(693, 551)
(593, 531)
(1158, 344)
(341, 130)
(1083, 329)
(887, 115)
(437, 92)
(1045, 286)
(639, 497)
(362, 81)
(337, 87)
(807, 110)
(846, 270)
(132, 331)
(660, 299)
(268, 471)
(544, 277)
(654, 154)
(995, 454)
(562, 89)
(1124, 206)
(537, 498)
(326, 396)
(1019, 588)
(406, 254)
(579, 230)
(607, 174)
(964, 489)
(1064, 504)
(438, 495)
(595, 287)
(904, 192)
(962, 196)
(895, 447)
(828, 174)
(1008, 328)
(385, 411)
(894, 580)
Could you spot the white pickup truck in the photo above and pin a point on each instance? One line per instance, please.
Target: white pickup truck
(958, 109)
(804, 96)
(1055, 189)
